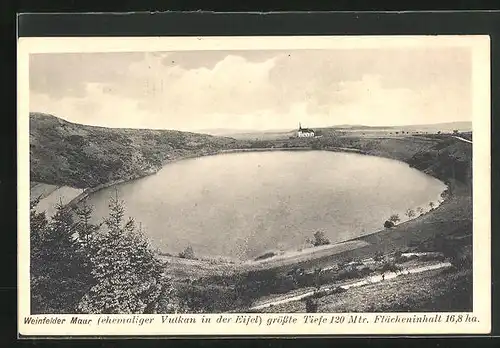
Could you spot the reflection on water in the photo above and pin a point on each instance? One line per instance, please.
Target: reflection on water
(244, 204)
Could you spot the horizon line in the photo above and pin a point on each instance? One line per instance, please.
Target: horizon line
(243, 130)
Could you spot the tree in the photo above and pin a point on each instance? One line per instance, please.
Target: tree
(431, 205)
(445, 194)
(85, 229)
(388, 224)
(410, 213)
(320, 239)
(38, 229)
(420, 210)
(38, 226)
(128, 275)
(59, 277)
(187, 253)
(394, 218)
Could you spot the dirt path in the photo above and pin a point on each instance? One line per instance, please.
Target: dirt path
(364, 281)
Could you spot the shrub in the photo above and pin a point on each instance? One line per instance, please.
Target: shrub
(187, 253)
(265, 256)
(349, 273)
(445, 194)
(410, 213)
(337, 290)
(388, 224)
(378, 256)
(394, 218)
(390, 267)
(320, 239)
(365, 271)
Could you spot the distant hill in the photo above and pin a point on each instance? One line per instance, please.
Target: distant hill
(444, 127)
(65, 153)
(284, 133)
(224, 131)
(253, 134)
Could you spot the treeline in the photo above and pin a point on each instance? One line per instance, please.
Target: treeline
(81, 267)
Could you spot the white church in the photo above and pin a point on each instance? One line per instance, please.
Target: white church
(305, 132)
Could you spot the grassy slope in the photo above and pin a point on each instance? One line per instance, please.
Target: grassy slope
(64, 153)
(432, 291)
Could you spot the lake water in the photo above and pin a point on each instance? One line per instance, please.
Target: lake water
(242, 205)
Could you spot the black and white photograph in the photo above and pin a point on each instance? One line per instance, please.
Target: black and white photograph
(257, 180)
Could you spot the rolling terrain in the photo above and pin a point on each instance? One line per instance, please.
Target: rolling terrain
(360, 130)
(65, 154)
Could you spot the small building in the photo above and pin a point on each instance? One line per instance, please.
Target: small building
(305, 132)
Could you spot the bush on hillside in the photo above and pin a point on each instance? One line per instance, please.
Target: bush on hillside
(394, 218)
(410, 213)
(187, 253)
(319, 239)
(265, 256)
(388, 224)
(378, 256)
(390, 267)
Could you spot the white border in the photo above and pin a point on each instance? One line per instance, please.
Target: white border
(480, 47)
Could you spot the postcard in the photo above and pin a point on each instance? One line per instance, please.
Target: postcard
(293, 185)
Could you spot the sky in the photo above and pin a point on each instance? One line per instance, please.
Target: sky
(254, 89)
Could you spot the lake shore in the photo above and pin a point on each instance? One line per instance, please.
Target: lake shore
(381, 240)
(457, 205)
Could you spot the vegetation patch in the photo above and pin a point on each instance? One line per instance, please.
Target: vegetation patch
(264, 256)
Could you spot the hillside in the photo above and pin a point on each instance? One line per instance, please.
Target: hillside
(81, 156)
